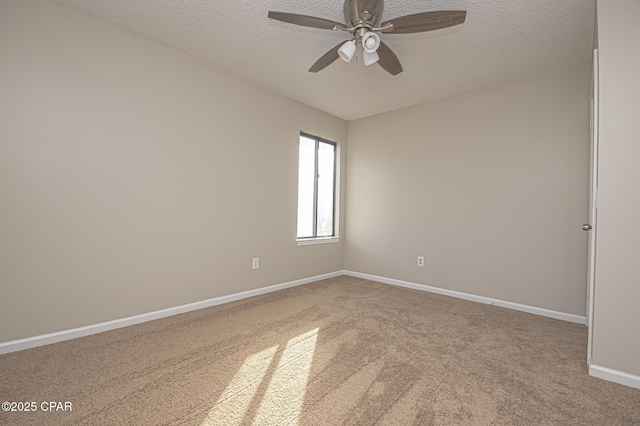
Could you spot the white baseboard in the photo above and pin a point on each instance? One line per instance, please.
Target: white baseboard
(46, 339)
(481, 299)
(615, 376)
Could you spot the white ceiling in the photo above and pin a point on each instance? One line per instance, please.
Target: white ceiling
(500, 40)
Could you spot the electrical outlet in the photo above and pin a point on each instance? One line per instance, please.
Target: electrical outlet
(255, 264)
(421, 261)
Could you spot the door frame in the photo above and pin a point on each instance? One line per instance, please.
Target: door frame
(593, 206)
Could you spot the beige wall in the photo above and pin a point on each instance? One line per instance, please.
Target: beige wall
(616, 339)
(490, 186)
(134, 178)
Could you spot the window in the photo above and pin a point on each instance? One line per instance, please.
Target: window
(316, 188)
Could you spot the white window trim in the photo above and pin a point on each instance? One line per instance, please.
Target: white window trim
(318, 240)
(305, 241)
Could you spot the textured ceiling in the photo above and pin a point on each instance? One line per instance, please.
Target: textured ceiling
(501, 40)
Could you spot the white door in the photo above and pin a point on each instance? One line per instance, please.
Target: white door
(593, 206)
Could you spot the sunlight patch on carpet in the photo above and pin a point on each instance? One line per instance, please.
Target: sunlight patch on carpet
(283, 399)
(236, 398)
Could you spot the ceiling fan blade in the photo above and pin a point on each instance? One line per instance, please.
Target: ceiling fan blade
(388, 60)
(304, 20)
(326, 59)
(426, 21)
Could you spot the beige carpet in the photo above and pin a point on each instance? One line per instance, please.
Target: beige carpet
(339, 351)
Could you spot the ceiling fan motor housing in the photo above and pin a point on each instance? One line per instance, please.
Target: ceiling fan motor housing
(363, 13)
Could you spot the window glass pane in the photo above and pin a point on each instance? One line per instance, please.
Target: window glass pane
(326, 177)
(306, 186)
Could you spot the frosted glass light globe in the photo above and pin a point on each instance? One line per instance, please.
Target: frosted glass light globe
(370, 43)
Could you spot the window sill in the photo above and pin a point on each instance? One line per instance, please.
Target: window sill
(322, 240)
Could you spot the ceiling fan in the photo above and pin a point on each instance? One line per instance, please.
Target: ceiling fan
(363, 20)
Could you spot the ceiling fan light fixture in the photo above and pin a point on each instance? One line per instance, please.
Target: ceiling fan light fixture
(347, 50)
(370, 42)
(370, 57)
